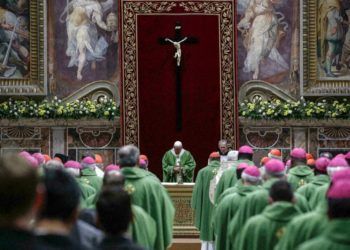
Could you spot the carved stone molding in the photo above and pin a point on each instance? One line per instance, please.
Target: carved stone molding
(335, 133)
(20, 133)
(96, 137)
(294, 123)
(95, 91)
(261, 137)
(255, 89)
(130, 9)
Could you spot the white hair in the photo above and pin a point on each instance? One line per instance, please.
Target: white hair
(332, 170)
(75, 172)
(178, 144)
(53, 164)
(232, 155)
(223, 142)
(90, 166)
(128, 156)
(251, 179)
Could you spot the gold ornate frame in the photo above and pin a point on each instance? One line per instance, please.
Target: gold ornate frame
(311, 85)
(36, 84)
(129, 10)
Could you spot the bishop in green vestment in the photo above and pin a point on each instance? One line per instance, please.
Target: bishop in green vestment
(337, 168)
(87, 191)
(257, 201)
(88, 195)
(303, 228)
(321, 178)
(141, 220)
(148, 193)
(227, 208)
(336, 235)
(262, 232)
(201, 203)
(300, 174)
(178, 163)
(229, 177)
(318, 197)
(88, 174)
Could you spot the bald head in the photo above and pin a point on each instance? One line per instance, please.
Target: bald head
(178, 147)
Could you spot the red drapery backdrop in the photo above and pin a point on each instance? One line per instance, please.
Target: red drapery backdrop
(157, 87)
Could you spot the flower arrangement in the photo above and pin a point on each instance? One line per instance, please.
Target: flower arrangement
(57, 109)
(303, 109)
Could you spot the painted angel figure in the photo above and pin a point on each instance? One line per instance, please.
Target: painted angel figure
(85, 44)
(260, 29)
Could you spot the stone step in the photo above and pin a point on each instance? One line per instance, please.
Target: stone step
(185, 244)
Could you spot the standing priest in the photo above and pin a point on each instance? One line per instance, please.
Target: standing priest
(178, 165)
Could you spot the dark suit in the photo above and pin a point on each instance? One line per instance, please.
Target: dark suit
(86, 235)
(57, 242)
(15, 239)
(118, 243)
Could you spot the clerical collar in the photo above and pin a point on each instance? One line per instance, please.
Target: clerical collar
(223, 154)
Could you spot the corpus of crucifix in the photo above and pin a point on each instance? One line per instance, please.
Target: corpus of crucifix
(177, 42)
(174, 125)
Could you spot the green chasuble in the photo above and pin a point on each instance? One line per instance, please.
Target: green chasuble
(201, 204)
(225, 211)
(148, 193)
(318, 198)
(299, 176)
(334, 237)
(227, 192)
(303, 228)
(88, 176)
(262, 232)
(88, 194)
(186, 161)
(309, 189)
(254, 204)
(143, 228)
(229, 179)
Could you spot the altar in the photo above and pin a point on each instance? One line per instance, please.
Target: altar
(185, 234)
(181, 195)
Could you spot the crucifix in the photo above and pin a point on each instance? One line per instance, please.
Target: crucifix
(177, 41)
